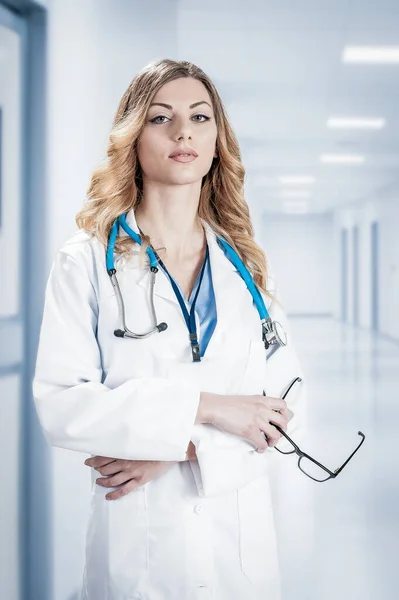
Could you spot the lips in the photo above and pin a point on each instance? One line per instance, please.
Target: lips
(183, 151)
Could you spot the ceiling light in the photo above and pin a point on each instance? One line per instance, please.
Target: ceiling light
(371, 54)
(348, 159)
(296, 179)
(355, 123)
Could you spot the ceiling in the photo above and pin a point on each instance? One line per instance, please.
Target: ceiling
(278, 67)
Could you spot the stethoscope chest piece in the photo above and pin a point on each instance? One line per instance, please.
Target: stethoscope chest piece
(273, 333)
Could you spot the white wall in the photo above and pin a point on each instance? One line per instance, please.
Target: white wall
(305, 253)
(300, 251)
(95, 48)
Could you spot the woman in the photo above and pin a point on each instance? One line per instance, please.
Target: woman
(177, 426)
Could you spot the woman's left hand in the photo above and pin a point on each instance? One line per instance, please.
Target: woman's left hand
(129, 474)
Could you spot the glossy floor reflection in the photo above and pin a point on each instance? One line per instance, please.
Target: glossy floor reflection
(339, 539)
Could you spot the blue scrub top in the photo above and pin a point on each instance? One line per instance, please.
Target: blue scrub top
(205, 305)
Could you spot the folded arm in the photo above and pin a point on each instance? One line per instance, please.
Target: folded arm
(148, 418)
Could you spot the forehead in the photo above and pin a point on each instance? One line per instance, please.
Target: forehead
(182, 92)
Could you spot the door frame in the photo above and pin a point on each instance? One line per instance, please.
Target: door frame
(29, 19)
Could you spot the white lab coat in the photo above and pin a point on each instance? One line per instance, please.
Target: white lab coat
(204, 529)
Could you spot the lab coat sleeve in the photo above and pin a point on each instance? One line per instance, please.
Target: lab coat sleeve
(226, 462)
(149, 418)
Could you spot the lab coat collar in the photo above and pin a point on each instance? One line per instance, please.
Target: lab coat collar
(224, 273)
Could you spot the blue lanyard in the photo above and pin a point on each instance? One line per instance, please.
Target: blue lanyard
(188, 317)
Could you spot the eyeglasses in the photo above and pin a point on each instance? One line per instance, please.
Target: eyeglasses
(308, 465)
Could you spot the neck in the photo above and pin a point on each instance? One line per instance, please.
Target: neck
(174, 228)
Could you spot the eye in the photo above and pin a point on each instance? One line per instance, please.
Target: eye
(154, 120)
(205, 117)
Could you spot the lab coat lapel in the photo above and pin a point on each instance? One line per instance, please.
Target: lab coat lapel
(226, 280)
(227, 286)
(162, 286)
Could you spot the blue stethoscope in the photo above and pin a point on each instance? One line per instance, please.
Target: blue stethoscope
(272, 331)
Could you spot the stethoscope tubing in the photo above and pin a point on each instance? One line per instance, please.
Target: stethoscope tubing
(268, 327)
(121, 306)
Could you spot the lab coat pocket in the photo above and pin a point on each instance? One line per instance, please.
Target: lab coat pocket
(258, 544)
(127, 538)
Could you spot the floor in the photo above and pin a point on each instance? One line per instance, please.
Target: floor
(339, 539)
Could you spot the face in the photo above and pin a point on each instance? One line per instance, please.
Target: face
(180, 116)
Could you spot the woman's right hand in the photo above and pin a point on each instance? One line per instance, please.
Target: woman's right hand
(248, 417)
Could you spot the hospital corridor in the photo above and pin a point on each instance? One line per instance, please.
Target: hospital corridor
(349, 542)
(310, 89)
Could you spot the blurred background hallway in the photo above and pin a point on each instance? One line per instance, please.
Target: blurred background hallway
(343, 542)
(311, 90)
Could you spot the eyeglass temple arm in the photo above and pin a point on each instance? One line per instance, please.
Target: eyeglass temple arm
(354, 452)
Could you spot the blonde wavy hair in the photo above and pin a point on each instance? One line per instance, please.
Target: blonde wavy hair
(114, 191)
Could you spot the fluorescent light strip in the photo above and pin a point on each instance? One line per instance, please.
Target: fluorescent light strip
(371, 54)
(355, 123)
(296, 179)
(349, 159)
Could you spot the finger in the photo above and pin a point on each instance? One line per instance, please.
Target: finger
(277, 418)
(113, 480)
(112, 468)
(275, 403)
(98, 461)
(286, 413)
(261, 442)
(272, 434)
(122, 491)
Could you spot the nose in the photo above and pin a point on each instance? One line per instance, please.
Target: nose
(182, 130)
(182, 137)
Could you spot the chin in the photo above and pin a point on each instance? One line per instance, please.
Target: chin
(185, 179)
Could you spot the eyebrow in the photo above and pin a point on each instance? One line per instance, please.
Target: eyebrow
(170, 108)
